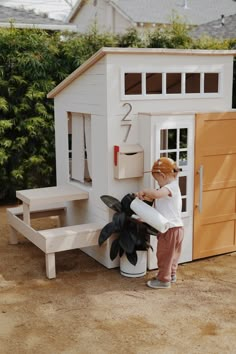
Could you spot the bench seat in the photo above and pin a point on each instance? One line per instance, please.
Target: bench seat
(67, 238)
(70, 237)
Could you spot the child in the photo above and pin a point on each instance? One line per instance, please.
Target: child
(169, 203)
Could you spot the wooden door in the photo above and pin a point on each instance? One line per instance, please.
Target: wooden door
(215, 184)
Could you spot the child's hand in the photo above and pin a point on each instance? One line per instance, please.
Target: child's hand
(145, 194)
(136, 217)
(140, 195)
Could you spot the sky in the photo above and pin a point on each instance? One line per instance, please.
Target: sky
(57, 9)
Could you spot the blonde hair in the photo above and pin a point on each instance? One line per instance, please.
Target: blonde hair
(166, 166)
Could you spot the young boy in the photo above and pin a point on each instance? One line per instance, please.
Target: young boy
(169, 203)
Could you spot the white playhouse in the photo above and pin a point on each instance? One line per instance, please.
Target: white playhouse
(124, 108)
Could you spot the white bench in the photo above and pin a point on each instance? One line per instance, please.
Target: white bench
(55, 240)
(51, 201)
(36, 212)
(48, 196)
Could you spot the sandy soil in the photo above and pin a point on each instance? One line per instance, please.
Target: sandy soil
(89, 309)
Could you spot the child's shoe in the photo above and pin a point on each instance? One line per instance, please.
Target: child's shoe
(157, 284)
(173, 278)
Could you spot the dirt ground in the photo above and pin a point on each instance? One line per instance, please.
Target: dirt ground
(89, 309)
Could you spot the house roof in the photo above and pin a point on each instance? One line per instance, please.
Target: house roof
(149, 51)
(28, 18)
(217, 29)
(194, 12)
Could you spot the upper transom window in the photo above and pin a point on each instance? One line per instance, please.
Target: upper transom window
(169, 83)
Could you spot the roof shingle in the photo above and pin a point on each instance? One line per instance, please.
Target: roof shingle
(216, 29)
(160, 11)
(8, 14)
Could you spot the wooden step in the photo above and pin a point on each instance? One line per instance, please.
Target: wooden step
(67, 238)
(71, 237)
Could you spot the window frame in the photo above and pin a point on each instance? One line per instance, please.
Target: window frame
(178, 122)
(183, 70)
(84, 164)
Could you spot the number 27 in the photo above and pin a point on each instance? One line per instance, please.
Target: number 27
(127, 120)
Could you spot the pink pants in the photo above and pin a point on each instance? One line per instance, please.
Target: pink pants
(168, 252)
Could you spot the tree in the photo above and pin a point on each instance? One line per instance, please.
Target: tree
(26, 117)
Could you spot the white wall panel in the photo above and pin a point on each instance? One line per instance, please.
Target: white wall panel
(98, 92)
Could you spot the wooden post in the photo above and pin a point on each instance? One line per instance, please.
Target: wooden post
(12, 236)
(26, 213)
(50, 265)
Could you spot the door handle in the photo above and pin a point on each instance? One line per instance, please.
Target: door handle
(200, 172)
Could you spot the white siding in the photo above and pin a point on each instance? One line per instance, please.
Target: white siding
(86, 95)
(116, 110)
(98, 92)
(104, 15)
(139, 63)
(120, 23)
(85, 18)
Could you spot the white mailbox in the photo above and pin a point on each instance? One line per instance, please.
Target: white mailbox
(128, 161)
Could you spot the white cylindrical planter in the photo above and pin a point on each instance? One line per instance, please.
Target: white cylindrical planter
(129, 270)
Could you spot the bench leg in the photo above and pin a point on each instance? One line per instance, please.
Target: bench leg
(26, 213)
(57, 219)
(50, 265)
(61, 220)
(13, 237)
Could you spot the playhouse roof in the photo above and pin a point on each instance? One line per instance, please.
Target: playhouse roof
(148, 51)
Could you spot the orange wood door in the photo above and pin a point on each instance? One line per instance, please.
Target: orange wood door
(215, 184)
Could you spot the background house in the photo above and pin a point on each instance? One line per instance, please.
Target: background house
(118, 15)
(22, 18)
(222, 28)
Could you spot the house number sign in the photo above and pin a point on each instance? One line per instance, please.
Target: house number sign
(125, 119)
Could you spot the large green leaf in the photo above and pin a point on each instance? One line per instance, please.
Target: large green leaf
(112, 202)
(119, 220)
(121, 252)
(106, 232)
(132, 257)
(150, 230)
(125, 203)
(126, 241)
(115, 247)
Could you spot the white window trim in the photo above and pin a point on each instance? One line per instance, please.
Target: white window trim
(77, 170)
(184, 122)
(80, 123)
(183, 70)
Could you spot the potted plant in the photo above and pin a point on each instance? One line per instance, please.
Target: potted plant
(132, 234)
